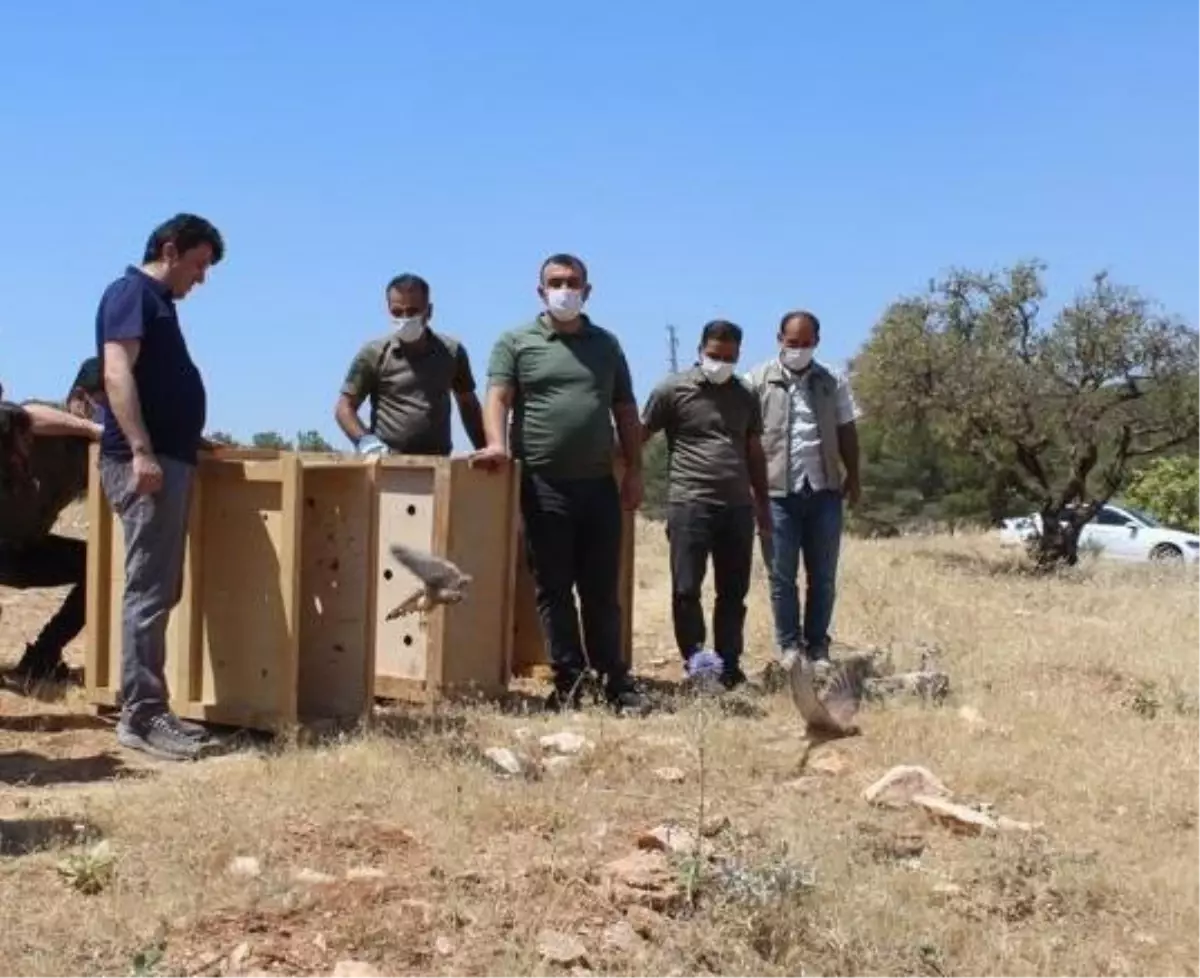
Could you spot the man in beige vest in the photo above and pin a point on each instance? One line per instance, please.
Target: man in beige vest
(811, 447)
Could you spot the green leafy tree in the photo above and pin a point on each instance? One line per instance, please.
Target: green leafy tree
(1169, 490)
(223, 438)
(311, 441)
(271, 439)
(654, 477)
(1059, 411)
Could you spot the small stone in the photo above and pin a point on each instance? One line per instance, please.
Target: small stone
(312, 877)
(354, 969)
(959, 818)
(504, 760)
(564, 742)
(239, 955)
(320, 943)
(902, 784)
(669, 838)
(971, 717)
(561, 949)
(715, 826)
(443, 946)
(365, 873)
(1006, 824)
(621, 937)
(246, 867)
(672, 775)
(829, 762)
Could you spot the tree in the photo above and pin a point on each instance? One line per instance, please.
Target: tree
(271, 439)
(1169, 490)
(1061, 411)
(312, 441)
(223, 438)
(654, 477)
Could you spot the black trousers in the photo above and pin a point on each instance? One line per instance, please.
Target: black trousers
(696, 531)
(573, 544)
(51, 562)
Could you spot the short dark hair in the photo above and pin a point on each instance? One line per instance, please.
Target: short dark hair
(803, 315)
(185, 231)
(88, 379)
(562, 258)
(721, 330)
(407, 281)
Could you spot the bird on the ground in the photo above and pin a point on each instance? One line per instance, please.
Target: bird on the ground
(441, 581)
(832, 711)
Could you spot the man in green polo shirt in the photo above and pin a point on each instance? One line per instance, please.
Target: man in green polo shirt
(716, 493)
(566, 381)
(408, 376)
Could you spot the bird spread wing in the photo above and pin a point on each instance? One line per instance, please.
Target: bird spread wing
(429, 569)
(833, 711)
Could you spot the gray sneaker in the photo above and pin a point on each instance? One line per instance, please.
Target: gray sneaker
(194, 730)
(159, 737)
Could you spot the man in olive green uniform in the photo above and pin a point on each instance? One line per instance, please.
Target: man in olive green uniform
(408, 376)
(716, 492)
(565, 380)
(44, 457)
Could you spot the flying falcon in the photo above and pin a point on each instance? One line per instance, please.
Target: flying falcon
(831, 712)
(441, 581)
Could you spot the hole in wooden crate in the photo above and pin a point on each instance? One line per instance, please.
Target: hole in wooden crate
(408, 640)
(387, 574)
(411, 510)
(310, 502)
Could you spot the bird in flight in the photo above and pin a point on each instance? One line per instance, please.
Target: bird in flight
(831, 712)
(441, 581)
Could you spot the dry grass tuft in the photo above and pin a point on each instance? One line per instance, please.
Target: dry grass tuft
(403, 848)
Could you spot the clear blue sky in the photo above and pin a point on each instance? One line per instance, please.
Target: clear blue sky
(734, 160)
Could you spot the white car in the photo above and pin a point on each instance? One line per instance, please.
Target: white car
(1120, 532)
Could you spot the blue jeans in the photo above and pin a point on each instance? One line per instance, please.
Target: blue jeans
(806, 524)
(155, 531)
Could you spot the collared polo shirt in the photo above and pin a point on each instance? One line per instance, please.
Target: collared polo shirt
(565, 387)
(707, 426)
(409, 387)
(169, 386)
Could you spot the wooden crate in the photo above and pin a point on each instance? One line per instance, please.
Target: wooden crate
(274, 625)
(529, 653)
(469, 516)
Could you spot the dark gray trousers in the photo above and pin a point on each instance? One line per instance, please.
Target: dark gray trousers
(155, 529)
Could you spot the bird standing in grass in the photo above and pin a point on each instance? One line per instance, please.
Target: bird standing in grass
(441, 581)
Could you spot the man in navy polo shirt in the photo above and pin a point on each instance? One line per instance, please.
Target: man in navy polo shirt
(153, 420)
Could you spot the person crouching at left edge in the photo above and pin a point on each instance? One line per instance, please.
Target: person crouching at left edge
(716, 495)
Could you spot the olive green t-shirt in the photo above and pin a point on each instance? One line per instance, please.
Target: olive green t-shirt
(59, 469)
(565, 387)
(707, 426)
(409, 387)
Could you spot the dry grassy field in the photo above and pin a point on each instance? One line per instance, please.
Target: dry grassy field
(1073, 708)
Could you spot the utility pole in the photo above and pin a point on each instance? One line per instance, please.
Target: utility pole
(673, 346)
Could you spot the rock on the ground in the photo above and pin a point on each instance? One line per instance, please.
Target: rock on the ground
(621, 937)
(828, 762)
(239, 955)
(313, 877)
(354, 969)
(957, 817)
(899, 786)
(245, 866)
(971, 717)
(365, 873)
(564, 742)
(561, 949)
(929, 685)
(643, 878)
(672, 775)
(443, 946)
(670, 837)
(504, 760)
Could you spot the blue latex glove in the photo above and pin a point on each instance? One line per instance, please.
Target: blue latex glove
(369, 445)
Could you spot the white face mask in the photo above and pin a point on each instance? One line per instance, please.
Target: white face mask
(718, 371)
(564, 304)
(408, 328)
(796, 358)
